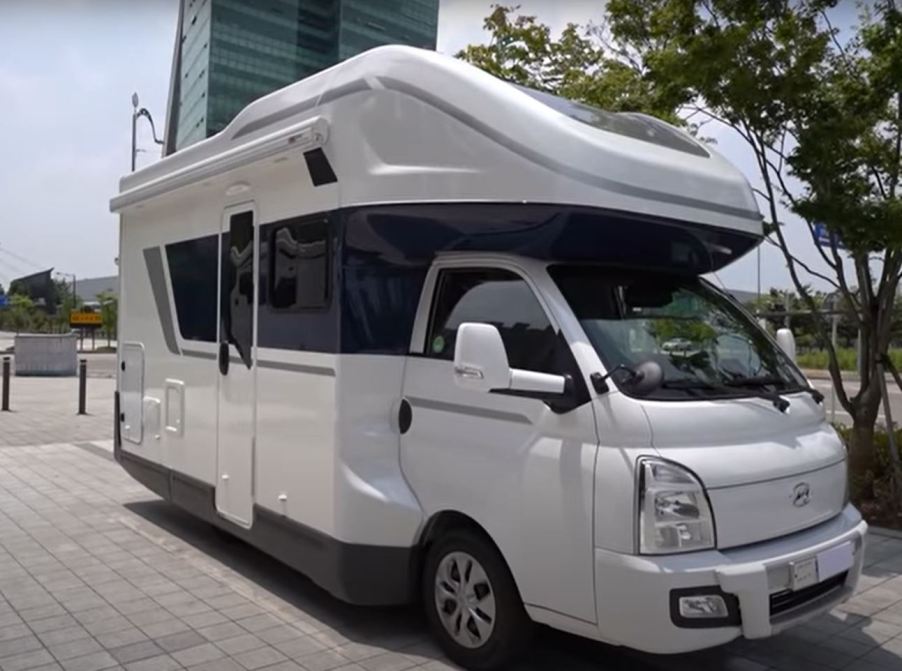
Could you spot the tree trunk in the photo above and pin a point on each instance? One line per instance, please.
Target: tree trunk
(862, 450)
(862, 455)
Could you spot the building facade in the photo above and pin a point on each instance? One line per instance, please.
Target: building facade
(231, 52)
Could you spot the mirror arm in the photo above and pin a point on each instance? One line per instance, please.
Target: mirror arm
(600, 382)
(558, 403)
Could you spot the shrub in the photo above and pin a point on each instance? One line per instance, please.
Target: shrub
(818, 360)
(884, 508)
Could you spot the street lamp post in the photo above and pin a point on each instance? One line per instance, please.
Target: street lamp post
(135, 114)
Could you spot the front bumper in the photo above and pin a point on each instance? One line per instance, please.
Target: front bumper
(633, 592)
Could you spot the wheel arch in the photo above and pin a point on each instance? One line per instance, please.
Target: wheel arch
(443, 522)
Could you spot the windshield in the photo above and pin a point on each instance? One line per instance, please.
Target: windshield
(705, 344)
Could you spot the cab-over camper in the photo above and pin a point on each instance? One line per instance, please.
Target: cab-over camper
(423, 334)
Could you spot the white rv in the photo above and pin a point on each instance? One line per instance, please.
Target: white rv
(423, 334)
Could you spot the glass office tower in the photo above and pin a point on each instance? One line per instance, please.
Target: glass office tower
(231, 52)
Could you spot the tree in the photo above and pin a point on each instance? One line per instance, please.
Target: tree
(821, 118)
(574, 66)
(20, 311)
(109, 313)
(67, 303)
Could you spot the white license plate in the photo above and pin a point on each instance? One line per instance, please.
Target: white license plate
(803, 573)
(835, 560)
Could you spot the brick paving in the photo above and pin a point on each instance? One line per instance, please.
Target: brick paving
(44, 410)
(98, 573)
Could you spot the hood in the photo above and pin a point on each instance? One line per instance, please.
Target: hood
(767, 474)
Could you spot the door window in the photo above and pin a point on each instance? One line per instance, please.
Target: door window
(496, 297)
(238, 285)
(299, 265)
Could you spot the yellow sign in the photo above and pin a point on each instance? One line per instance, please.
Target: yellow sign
(78, 319)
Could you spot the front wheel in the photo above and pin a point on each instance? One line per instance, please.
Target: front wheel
(472, 602)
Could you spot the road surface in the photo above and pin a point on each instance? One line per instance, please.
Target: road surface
(851, 386)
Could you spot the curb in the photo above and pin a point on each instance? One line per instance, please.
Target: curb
(883, 531)
(818, 374)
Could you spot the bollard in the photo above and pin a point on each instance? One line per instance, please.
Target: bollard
(82, 385)
(5, 406)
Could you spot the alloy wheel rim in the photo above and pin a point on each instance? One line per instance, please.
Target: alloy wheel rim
(464, 599)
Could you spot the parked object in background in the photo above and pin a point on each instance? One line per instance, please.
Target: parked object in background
(787, 342)
(46, 354)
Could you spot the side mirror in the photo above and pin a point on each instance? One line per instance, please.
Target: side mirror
(480, 360)
(787, 342)
(649, 377)
(480, 364)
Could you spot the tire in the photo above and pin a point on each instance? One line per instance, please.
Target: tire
(472, 603)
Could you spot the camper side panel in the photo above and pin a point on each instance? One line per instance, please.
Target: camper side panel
(179, 390)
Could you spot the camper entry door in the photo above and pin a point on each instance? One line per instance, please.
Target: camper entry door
(237, 364)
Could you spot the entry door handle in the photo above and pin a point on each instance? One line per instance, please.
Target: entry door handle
(405, 416)
(224, 358)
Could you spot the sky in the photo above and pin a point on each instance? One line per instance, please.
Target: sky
(68, 69)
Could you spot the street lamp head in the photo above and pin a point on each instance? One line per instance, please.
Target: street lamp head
(135, 100)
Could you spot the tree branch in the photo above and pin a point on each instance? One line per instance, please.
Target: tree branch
(836, 43)
(836, 263)
(806, 267)
(821, 329)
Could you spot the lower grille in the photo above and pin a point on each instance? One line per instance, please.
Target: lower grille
(788, 600)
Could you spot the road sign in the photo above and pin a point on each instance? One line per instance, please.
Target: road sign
(4, 300)
(81, 319)
(825, 238)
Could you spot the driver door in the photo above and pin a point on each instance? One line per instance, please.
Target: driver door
(518, 469)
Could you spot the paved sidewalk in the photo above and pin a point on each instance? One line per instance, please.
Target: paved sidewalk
(96, 572)
(44, 410)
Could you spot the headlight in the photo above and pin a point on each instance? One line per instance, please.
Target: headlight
(674, 514)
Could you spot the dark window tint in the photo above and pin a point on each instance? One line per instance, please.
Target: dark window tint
(637, 126)
(495, 297)
(299, 265)
(238, 285)
(192, 270)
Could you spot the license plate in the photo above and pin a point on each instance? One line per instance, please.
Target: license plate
(835, 560)
(803, 573)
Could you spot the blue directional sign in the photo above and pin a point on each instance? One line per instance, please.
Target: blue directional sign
(825, 238)
(4, 300)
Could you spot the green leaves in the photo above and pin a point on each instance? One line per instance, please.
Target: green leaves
(575, 65)
(820, 110)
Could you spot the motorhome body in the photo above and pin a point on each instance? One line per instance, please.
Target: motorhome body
(305, 361)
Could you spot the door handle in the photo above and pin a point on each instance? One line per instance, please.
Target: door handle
(405, 416)
(224, 358)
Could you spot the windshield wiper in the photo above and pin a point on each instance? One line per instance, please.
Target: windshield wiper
(778, 401)
(774, 380)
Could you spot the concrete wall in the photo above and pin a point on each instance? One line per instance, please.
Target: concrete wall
(46, 354)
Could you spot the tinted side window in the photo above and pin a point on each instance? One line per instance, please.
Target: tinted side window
(494, 297)
(192, 269)
(299, 265)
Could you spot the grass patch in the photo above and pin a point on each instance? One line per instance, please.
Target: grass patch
(818, 359)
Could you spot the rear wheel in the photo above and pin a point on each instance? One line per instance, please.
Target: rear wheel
(472, 602)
